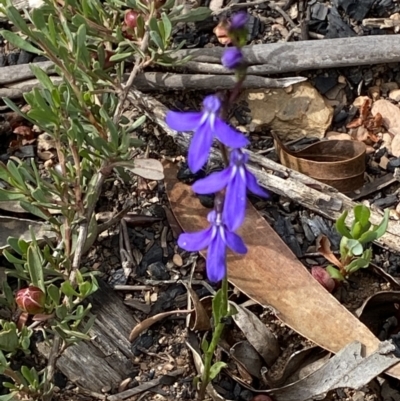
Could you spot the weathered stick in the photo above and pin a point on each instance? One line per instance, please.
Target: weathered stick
(310, 193)
(276, 58)
(106, 360)
(21, 81)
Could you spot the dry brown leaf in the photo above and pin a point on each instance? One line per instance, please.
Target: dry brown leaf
(145, 324)
(324, 248)
(271, 275)
(348, 368)
(199, 319)
(221, 32)
(257, 334)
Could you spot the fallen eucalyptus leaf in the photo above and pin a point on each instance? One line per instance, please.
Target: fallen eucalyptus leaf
(199, 319)
(257, 334)
(275, 277)
(348, 368)
(380, 313)
(295, 366)
(145, 324)
(246, 355)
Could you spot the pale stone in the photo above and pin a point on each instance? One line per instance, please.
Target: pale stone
(390, 114)
(387, 142)
(395, 148)
(301, 113)
(337, 135)
(360, 100)
(395, 95)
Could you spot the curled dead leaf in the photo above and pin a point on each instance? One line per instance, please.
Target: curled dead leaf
(145, 324)
(221, 32)
(324, 248)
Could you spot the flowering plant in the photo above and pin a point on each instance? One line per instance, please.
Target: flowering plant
(230, 185)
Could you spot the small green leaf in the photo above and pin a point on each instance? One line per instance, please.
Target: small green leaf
(216, 369)
(42, 77)
(362, 214)
(381, 229)
(204, 345)
(61, 312)
(68, 290)
(26, 372)
(356, 264)
(356, 230)
(29, 207)
(18, 42)
(334, 273)
(12, 259)
(54, 293)
(120, 56)
(167, 26)
(341, 225)
(355, 247)
(9, 397)
(35, 267)
(216, 307)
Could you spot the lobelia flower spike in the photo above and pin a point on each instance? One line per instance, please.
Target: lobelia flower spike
(206, 126)
(216, 238)
(232, 58)
(236, 178)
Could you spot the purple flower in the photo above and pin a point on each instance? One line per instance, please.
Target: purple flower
(206, 125)
(217, 237)
(239, 20)
(232, 58)
(236, 178)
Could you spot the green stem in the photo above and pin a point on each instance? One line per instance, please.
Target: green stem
(219, 327)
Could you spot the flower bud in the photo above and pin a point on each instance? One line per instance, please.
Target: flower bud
(31, 300)
(323, 277)
(131, 19)
(232, 58)
(238, 20)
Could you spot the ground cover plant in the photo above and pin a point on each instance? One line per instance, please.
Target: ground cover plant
(88, 42)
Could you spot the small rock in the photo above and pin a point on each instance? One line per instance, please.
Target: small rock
(395, 95)
(177, 259)
(158, 271)
(387, 142)
(337, 135)
(360, 100)
(393, 164)
(324, 84)
(302, 113)
(389, 86)
(384, 162)
(375, 92)
(390, 115)
(395, 146)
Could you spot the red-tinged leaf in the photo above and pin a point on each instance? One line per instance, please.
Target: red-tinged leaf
(355, 123)
(271, 275)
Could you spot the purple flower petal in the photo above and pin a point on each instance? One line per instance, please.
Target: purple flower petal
(229, 136)
(183, 121)
(253, 186)
(193, 242)
(239, 20)
(235, 242)
(235, 202)
(232, 58)
(200, 148)
(213, 183)
(216, 259)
